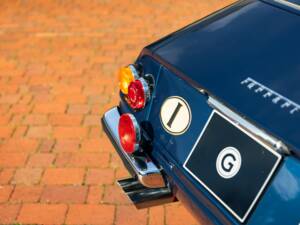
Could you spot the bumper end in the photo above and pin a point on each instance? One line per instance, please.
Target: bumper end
(142, 167)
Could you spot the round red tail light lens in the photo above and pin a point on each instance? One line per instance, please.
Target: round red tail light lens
(138, 93)
(129, 133)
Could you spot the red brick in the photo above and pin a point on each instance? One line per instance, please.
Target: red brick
(26, 194)
(35, 69)
(78, 109)
(26, 99)
(12, 159)
(157, 215)
(122, 172)
(69, 132)
(4, 119)
(96, 145)
(66, 88)
(46, 145)
(97, 110)
(114, 195)
(41, 99)
(64, 194)
(9, 98)
(16, 120)
(19, 145)
(71, 98)
(8, 213)
(100, 176)
(4, 108)
(93, 89)
(39, 132)
(91, 120)
(95, 132)
(42, 214)
(68, 145)
(5, 132)
(98, 99)
(63, 176)
(128, 214)
(89, 160)
(90, 214)
(47, 108)
(95, 194)
(176, 214)
(63, 159)
(6, 175)
(27, 176)
(116, 161)
(20, 108)
(41, 160)
(35, 119)
(20, 132)
(9, 89)
(106, 145)
(65, 120)
(5, 192)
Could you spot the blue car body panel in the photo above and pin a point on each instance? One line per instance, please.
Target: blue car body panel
(254, 39)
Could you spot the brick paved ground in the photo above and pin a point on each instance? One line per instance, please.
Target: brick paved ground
(57, 76)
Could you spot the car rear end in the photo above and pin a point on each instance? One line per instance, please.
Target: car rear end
(206, 117)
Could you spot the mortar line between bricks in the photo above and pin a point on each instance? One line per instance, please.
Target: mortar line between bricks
(103, 193)
(84, 176)
(12, 177)
(41, 194)
(53, 145)
(26, 132)
(148, 216)
(19, 211)
(87, 195)
(26, 161)
(10, 118)
(13, 131)
(165, 212)
(11, 193)
(55, 159)
(115, 214)
(42, 175)
(66, 214)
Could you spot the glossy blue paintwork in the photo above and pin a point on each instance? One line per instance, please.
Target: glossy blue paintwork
(251, 38)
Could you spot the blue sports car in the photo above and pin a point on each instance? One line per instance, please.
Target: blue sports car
(210, 115)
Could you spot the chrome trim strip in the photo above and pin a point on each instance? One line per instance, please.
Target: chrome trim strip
(289, 4)
(147, 172)
(134, 71)
(146, 90)
(269, 140)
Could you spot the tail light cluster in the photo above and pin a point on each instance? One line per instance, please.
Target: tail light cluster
(137, 90)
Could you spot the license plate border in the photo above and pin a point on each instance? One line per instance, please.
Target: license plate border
(279, 157)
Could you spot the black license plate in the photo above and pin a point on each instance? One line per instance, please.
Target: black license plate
(231, 164)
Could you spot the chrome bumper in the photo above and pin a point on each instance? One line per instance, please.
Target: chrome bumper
(147, 173)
